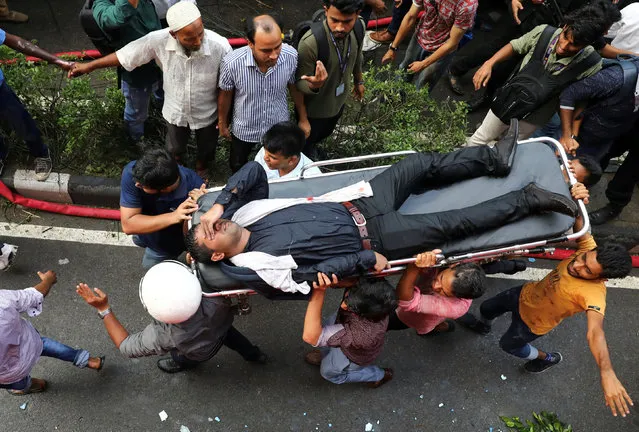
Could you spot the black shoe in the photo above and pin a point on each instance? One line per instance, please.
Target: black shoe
(260, 357)
(518, 265)
(539, 366)
(471, 322)
(604, 214)
(454, 82)
(541, 200)
(169, 365)
(476, 102)
(506, 148)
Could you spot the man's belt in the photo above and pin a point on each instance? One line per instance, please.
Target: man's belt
(360, 223)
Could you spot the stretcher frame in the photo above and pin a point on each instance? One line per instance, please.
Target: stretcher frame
(398, 266)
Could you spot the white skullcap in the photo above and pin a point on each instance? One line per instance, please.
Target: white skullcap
(182, 14)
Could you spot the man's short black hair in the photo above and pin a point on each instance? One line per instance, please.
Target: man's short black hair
(372, 299)
(346, 7)
(284, 138)
(593, 167)
(266, 26)
(156, 169)
(199, 252)
(614, 260)
(586, 24)
(469, 282)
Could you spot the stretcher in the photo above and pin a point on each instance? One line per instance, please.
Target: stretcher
(541, 160)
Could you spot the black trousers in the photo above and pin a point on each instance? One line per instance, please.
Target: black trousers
(398, 236)
(240, 151)
(177, 138)
(321, 128)
(621, 187)
(233, 340)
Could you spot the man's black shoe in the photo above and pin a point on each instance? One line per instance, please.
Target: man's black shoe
(169, 365)
(260, 357)
(454, 82)
(506, 148)
(471, 322)
(539, 366)
(477, 101)
(604, 214)
(542, 200)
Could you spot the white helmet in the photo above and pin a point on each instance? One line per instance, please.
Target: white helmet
(170, 292)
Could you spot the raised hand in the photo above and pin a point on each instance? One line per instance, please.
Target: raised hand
(316, 81)
(95, 297)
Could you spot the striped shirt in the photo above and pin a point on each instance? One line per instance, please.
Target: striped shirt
(260, 98)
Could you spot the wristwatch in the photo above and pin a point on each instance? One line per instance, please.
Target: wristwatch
(392, 48)
(104, 313)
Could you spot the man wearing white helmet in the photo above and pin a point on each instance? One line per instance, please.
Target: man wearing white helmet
(191, 328)
(190, 59)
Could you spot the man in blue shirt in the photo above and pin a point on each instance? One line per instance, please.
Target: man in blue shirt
(156, 196)
(14, 113)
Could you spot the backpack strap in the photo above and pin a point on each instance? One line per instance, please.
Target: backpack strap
(543, 42)
(323, 50)
(359, 30)
(576, 68)
(630, 74)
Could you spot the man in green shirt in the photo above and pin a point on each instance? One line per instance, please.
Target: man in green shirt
(568, 46)
(326, 86)
(126, 21)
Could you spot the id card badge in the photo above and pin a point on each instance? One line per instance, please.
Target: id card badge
(340, 89)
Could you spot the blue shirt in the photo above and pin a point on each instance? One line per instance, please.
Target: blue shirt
(170, 239)
(3, 36)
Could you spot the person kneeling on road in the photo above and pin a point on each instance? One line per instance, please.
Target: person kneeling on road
(191, 328)
(21, 345)
(576, 285)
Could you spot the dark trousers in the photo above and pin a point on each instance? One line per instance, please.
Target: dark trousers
(18, 118)
(233, 340)
(394, 323)
(397, 236)
(398, 15)
(177, 138)
(518, 336)
(621, 187)
(321, 128)
(240, 151)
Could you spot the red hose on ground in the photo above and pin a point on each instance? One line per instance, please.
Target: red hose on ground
(65, 209)
(562, 254)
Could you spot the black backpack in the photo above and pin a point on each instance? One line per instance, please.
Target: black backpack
(316, 25)
(103, 41)
(533, 85)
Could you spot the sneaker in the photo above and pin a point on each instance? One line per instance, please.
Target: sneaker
(604, 214)
(7, 256)
(43, 166)
(169, 365)
(539, 365)
(471, 322)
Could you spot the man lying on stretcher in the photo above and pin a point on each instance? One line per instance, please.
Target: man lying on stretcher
(288, 241)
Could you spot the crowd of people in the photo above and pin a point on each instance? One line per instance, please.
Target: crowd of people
(546, 63)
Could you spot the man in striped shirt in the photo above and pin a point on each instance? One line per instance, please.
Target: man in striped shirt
(255, 79)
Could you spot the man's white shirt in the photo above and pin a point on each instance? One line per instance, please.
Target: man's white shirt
(275, 174)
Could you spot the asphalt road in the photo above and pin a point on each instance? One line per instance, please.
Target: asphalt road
(460, 370)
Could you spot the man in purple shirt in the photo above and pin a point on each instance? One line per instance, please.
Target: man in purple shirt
(21, 345)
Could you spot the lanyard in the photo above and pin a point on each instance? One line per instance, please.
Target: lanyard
(343, 62)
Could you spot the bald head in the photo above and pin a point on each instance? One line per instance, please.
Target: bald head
(262, 24)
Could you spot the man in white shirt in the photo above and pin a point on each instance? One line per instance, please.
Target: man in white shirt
(190, 58)
(281, 156)
(625, 32)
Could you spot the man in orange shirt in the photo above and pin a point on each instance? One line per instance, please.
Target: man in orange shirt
(576, 285)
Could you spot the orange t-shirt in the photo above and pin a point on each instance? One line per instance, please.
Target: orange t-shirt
(544, 304)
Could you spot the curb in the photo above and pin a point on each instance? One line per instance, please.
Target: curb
(65, 188)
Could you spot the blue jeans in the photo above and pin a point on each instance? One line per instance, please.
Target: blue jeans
(136, 108)
(516, 339)
(432, 73)
(19, 119)
(151, 256)
(55, 349)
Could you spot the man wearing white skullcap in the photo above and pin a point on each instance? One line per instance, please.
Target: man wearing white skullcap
(190, 58)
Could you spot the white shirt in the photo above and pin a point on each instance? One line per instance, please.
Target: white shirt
(275, 174)
(190, 83)
(626, 31)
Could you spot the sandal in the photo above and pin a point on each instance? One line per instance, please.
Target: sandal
(99, 368)
(450, 327)
(388, 375)
(38, 385)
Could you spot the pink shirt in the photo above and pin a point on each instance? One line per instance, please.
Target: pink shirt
(439, 18)
(424, 311)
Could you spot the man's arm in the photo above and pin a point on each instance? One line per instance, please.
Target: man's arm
(300, 107)
(313, 318)
(614, 392)
(113, 14)
(611, 52)
(224, 102)
(134, 222)
(448, 47)
(47, 280)
(80, 69)
(482, 76)
(27, 48)
(405, 29)
(342, 266)
(311, 73)
(99, 300)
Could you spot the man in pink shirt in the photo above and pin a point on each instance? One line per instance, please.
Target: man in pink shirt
(430, 298)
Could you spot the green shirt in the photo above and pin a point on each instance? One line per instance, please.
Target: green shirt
(324, 103)
(525, 45)
(118, 17)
